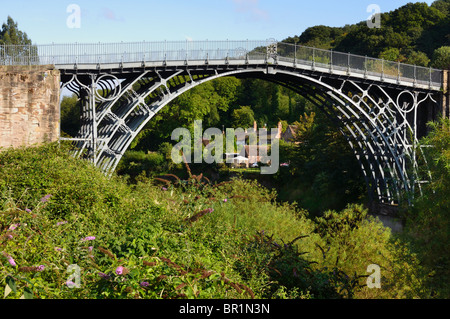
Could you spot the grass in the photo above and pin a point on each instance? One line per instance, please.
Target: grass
(180, 239)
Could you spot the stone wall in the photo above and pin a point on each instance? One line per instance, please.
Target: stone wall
(446, 94)
(29, 105)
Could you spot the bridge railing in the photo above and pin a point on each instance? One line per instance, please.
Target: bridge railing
(93, 53)
(352, 63)
(105, 53)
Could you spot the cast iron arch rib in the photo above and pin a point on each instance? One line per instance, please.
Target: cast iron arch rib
(367, 114)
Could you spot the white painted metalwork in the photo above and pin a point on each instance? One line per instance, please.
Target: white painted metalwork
(100, 55)
(122, 86)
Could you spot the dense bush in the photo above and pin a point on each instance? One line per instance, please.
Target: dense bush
(179, 239)
(135, 163)
(428, 222)
(75, 186)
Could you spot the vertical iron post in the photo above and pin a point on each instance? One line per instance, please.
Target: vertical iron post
(92, 114)
(295, 54)
(314, 59)
(331, 61)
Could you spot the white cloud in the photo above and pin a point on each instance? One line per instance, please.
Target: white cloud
(252, 8)
(109, 14)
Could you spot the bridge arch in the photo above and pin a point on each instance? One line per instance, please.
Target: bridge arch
(377, 126)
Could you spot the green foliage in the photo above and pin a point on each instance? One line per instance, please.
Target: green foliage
(71, 190)
(409, 34)
(391, 54)
(321, 36)
(428, 222)
(442, 5)
(322, 165)
(441, 58)
(333, 224)
(10, 34)
(70, 115)
(134, 163)
(351, 237)
(243, 117)
(418, 58)
(19, 43)
(285, 265)
(189, 239)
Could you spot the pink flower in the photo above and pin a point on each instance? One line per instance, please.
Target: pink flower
(13, 227)
(61, 223)
(225, 200)
(119, 270)
(90, 248)
(45, 198)
(104, 276)
(12, 262)
(88, 238)
(40, 268)
(144, 284)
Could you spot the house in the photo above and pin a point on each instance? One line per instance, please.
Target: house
(254, 153)
(290, 134)
(243, 138)
(240, 161)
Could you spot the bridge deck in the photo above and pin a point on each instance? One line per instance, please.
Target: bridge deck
(373, 77)
(125, 57)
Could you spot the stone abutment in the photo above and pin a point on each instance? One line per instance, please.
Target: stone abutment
(29, 105)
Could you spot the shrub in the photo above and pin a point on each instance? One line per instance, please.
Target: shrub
(428, 221)
(186, 239)
(135, 163)
(354, 241)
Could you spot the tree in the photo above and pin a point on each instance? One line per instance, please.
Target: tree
(319, 36)
(391, 54)
(322, 165)
(442, 5)
(428, 221)
(244, 117)
(441, 58)
(418, 58)
(19, 48)
(412, 27)
(10, 34)
(70, 115)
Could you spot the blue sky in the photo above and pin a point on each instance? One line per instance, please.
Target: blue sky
(45, 21)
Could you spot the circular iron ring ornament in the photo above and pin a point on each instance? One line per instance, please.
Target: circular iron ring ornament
(407, 107)
(108, 82)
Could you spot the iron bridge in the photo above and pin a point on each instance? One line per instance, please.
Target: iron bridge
(381, 107)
